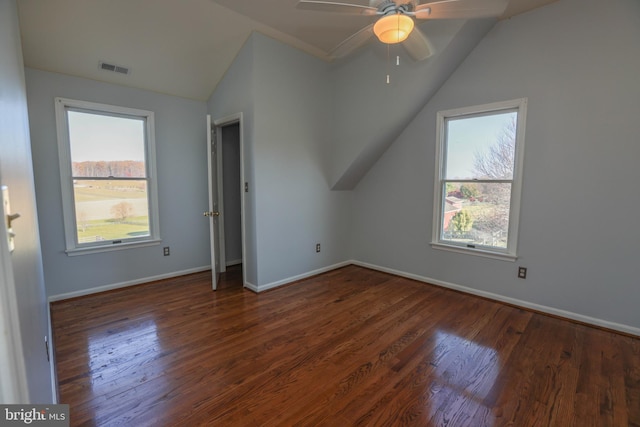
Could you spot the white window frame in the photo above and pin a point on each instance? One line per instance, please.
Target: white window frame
(62, 106)
(510, 252)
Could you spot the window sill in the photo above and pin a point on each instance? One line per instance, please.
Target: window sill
(475, 252)
(110, 248)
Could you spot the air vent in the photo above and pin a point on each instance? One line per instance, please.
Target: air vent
(112, 67)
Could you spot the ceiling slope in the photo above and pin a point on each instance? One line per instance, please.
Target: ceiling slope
(370, 114)
(180, 48)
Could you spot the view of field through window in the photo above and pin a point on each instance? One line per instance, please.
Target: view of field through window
(478, 175)
(110, 186)
(110, 210)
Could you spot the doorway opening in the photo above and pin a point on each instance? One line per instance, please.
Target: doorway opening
(231, 205)
(227, 187)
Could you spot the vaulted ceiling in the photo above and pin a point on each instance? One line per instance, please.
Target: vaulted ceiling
(181, 47)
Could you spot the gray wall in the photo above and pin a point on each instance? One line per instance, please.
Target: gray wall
(182, 186)
(578, 63)
(285, 97)
(16, 172)
(295, 207)
(234, 94)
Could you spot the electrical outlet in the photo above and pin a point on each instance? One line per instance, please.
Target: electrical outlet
(522, 272)
(317, 247)
(166, 251)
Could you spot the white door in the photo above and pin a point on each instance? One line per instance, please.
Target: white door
(213, 213)
(13, 381)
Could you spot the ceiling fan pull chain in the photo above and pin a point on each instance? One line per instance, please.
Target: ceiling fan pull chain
(388, 63)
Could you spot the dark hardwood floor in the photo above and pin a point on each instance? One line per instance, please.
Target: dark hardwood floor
(349, 347)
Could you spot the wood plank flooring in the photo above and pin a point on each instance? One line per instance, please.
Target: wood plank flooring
(352, 347)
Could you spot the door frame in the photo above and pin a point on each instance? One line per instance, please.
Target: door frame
(218, 125)
(212, 193)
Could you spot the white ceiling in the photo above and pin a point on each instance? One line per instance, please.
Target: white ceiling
(178, 47)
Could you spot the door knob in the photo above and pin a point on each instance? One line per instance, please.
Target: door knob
(208, 213)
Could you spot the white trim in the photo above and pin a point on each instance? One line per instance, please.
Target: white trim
(234, 262)
(52, 360)
(251, 286)
(300, 276)
(74, 248)
(222, 255)
(631, 330)
(104, 288)
(210, 206)
(476, 252)
(113, 247)
(519, 105)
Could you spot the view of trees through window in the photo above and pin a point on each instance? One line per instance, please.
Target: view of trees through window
(479, 172)
(109, 176)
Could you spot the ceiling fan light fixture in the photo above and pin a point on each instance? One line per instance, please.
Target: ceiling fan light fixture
(394, 28)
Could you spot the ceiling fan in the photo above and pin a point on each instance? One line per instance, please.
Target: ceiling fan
(396, 20)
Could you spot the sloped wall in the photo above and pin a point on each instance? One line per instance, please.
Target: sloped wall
(578, 64)
(369, 114)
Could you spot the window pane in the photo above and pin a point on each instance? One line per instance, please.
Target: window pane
(111, 209)
(476, 213)
(106, 146)
(481, 147)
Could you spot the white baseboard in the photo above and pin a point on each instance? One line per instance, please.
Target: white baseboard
(631, 330)
(251, 286)
(234, 262)
(299, 277)
(52, 360)
(104, 288)
(627, 329)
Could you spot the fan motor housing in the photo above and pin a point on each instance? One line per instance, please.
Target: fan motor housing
(389, 7)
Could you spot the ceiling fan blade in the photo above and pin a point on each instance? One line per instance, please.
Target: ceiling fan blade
(460, 9)
(329, 6)
(417, 45)
(353, 42)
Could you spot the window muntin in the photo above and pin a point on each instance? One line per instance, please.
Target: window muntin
(479, 178)
(107, 163)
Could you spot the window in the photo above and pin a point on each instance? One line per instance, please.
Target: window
(478, 178)
(107, 171)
